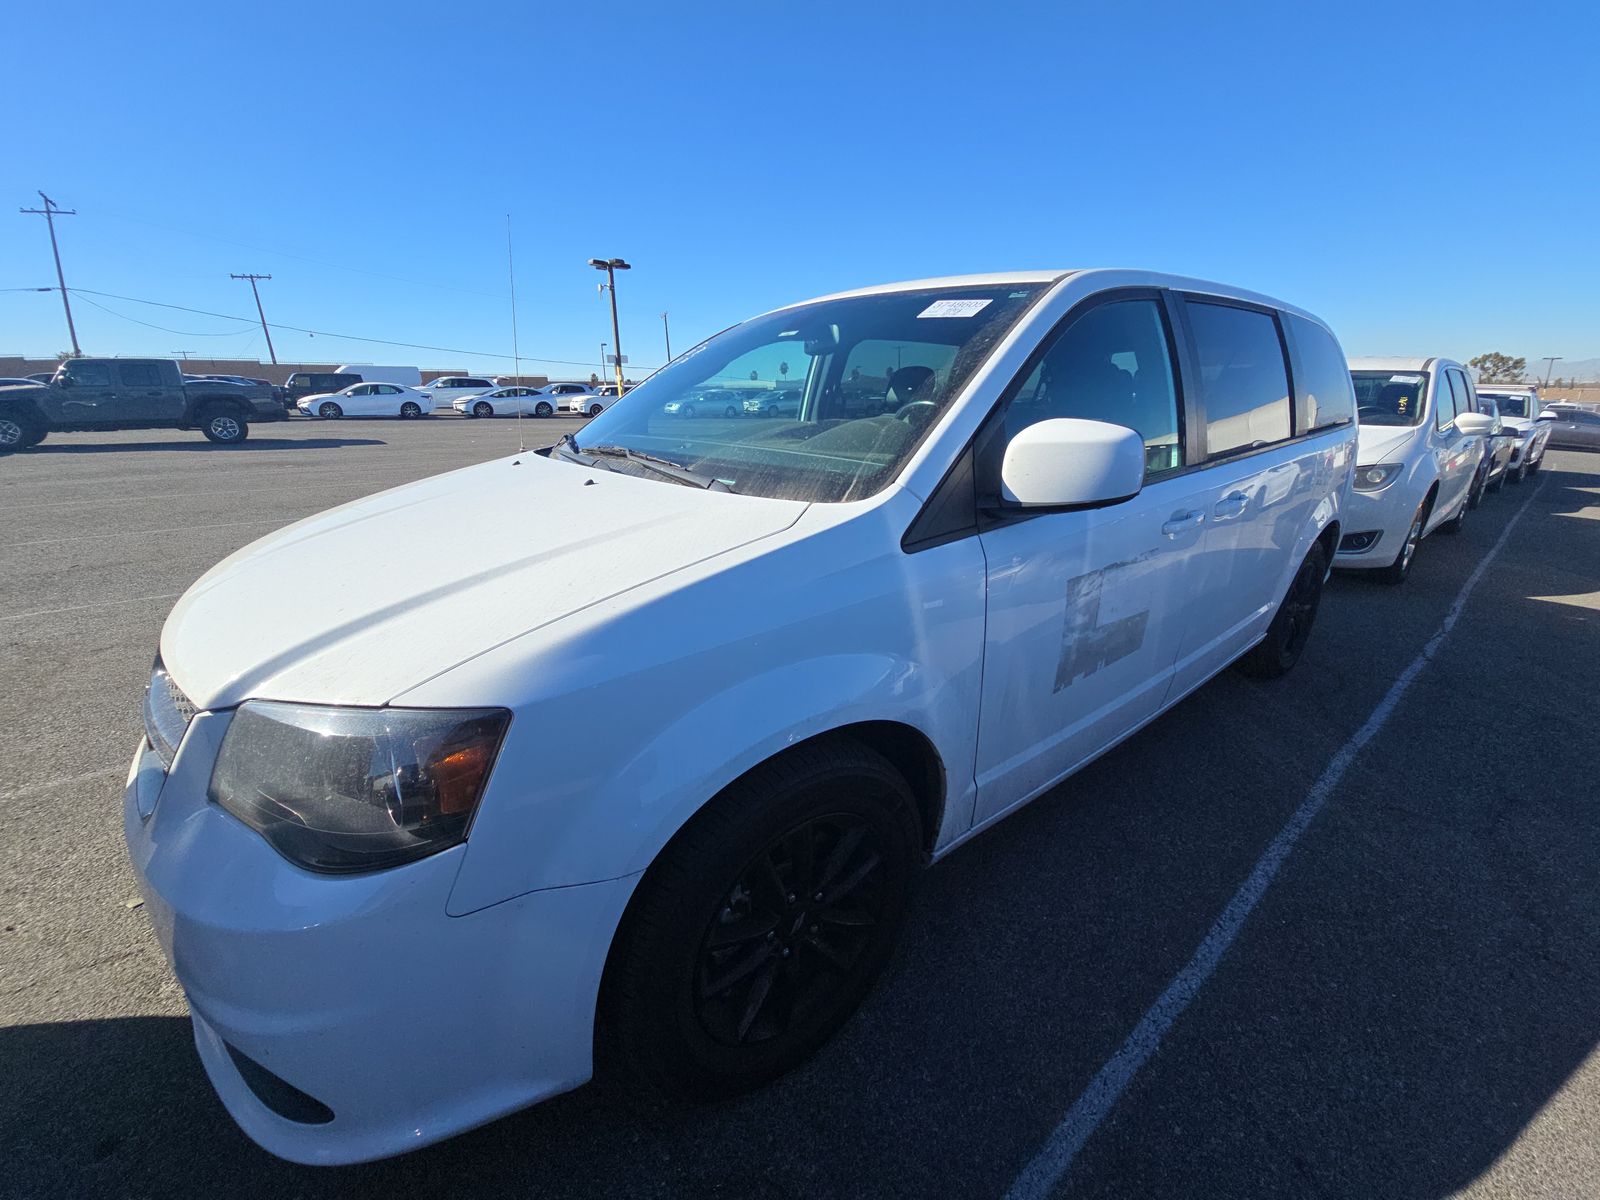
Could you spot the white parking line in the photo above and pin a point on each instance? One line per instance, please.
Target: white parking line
(50, 784)
(50, 612)
(133, 533)
(1055, 1157)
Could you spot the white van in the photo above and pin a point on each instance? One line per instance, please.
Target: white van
(664, 754)
(371, 373)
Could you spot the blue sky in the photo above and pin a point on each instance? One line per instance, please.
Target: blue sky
(1422, 176)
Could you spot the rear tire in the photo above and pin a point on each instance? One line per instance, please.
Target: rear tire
(223, 427)
(1480, 485)
(762, 926)
(329, 411)
(1276, 654)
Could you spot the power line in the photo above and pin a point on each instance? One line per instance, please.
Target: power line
(350, 337)
(150, 325)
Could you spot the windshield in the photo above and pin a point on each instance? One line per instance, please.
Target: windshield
(824, 402)
(1511, 404)
(1389, 397)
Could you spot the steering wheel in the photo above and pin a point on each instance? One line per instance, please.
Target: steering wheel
(1377, 409)
(918, 413)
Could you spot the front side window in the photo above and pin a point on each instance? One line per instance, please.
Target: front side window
(1444, 403)
(810, 444)
(1110, 364)
(1389, 397)
(1244, 381)
(89, 374)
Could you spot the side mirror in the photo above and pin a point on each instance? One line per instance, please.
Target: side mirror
(1474, 423)
(1066, 462)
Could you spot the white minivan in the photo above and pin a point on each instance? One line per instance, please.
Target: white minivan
(655, 772)
(1420, 449)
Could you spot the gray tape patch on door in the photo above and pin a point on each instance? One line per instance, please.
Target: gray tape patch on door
(1099, 627)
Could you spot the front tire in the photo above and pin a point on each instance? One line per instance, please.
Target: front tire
(1397, 571)
(483, 409)
(1276, 654)
(329, 411)
(18, 431)
(224, 428)
(595, 410)
(1517, 477)
(762, 926)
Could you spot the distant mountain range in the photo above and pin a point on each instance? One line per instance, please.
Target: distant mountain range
(1583, 370)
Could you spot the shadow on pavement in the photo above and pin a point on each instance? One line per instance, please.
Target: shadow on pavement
(253, 443)
(1416, 985)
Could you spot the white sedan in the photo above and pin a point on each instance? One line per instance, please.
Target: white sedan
(369, 400)
(509, 402)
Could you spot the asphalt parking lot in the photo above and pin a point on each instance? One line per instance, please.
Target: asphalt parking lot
(1410, 1010)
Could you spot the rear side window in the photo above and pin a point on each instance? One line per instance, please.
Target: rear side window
(1110, 364)
(139, 374)
(1322, 384)
(1244, 382)
(483, 383)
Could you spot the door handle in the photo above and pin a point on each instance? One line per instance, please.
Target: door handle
(1231, 505)
(1181, 522)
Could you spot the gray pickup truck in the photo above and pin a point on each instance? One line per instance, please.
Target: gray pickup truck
(131, 393)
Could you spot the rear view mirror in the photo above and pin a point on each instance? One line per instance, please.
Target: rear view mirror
(1070, 463)
(1474, 423)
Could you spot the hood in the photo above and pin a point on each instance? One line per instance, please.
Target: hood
(1520, 424)
(1379, 443)
(364, 602)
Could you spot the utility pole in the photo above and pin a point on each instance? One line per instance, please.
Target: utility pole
(1550, 361)
(183, 354)
(50, 212)
(271, 353)
(666, 333)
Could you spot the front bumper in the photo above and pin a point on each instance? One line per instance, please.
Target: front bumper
(360, 991)
(1386, 512)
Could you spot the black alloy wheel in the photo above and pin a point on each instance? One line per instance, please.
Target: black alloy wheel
(798, 918)
(1278, 652)
(763, 924)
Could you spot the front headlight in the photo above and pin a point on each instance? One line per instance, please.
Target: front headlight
(1370, 479)
(356, 789)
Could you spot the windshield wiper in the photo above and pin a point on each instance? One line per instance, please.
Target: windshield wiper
(661, 466)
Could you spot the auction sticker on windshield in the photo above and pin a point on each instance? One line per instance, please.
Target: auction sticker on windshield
(954, 308)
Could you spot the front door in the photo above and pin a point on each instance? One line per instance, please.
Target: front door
(85, 394)
(1456, 454)
(1083, 606)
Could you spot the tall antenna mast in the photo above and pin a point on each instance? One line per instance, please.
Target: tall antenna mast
(516, 353)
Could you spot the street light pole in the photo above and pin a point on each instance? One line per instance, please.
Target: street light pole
(49, 212)
(666, 333)
(602, 360)
(1550, 361)
(611, 266)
